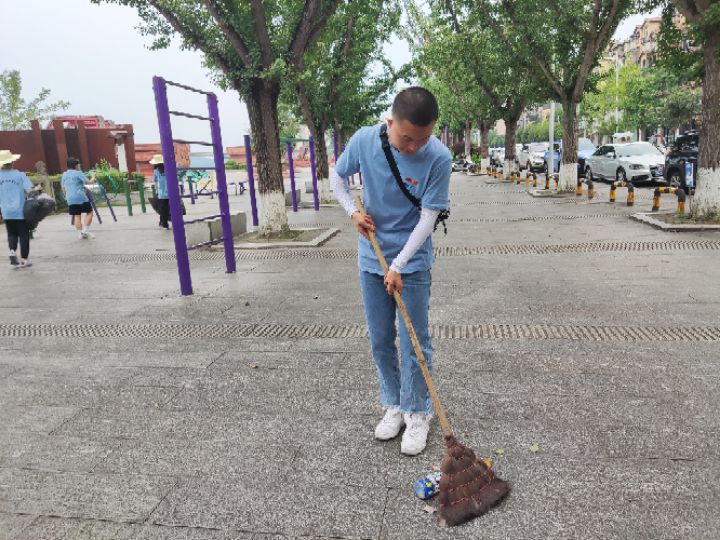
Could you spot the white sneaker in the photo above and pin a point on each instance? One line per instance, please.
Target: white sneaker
(416, 431)
(88, 234)
(390, 425)
(81, 235)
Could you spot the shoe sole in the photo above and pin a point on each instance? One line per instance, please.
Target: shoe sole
(14, 260)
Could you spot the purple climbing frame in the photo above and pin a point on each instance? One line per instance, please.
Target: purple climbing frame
(168, 150)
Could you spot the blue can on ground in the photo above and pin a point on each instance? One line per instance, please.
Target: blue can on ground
(428, 486)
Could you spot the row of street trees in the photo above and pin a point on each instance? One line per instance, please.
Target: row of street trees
(489, 59)
(485, 59)
(317, 56)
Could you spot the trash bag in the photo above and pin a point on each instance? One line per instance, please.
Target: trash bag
(154, 204)
(38, 208)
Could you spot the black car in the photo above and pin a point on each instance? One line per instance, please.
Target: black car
(683, 152)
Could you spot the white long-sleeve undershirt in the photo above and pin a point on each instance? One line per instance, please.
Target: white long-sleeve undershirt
(424, 228)
(341, 190)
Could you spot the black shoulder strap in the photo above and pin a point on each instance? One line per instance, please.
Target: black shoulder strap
(394, 168)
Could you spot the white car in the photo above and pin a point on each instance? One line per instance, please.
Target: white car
(536, 156)
(634, 162)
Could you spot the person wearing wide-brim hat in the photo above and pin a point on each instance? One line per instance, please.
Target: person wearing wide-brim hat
(13, 187)
(163, 205)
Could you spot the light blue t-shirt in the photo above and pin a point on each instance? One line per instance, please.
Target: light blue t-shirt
(73, 181)
(427, 176)
(160, 184)
(13, 185)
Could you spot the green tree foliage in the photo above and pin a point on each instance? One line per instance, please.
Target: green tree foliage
(562, 41)
(345, 80)
(250, 46)
(644, 99)
(15, 112)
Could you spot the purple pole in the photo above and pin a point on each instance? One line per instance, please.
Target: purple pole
(221, 183)
(168, 151)
(251, 180)
(291, 165)
(313, 172)
(335, 146)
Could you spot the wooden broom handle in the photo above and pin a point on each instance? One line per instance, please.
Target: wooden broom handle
(444, 424)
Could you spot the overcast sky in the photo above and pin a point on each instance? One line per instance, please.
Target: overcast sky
(93, 57)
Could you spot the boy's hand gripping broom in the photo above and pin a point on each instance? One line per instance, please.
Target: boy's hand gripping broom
(468, 487)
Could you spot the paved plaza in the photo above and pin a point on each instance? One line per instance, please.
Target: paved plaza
(577, 348)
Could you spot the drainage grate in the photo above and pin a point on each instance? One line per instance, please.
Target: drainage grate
(446, 251)
(539, 218)
(321, 331)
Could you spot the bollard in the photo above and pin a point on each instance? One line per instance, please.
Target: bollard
(679, 192)
(534, 180)
(141, 189)
(590, 186)
(128, 201)
(518, 179)
(630, 188)
(547, 181)
(527, 179)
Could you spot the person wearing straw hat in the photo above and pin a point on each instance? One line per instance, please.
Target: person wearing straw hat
(73, 184)
(406, 178)
(13, 187)
(163, 205)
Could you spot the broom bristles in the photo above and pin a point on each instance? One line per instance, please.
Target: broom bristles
(468, 487)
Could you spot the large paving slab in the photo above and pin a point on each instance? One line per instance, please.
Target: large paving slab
(246, 411)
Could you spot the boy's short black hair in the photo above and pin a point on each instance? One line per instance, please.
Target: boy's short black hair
(72, 162)
(159, 167)
(416, 105)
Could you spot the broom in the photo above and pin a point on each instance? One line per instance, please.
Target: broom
(468, 487)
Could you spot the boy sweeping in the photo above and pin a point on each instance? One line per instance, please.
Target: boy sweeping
(406, 176)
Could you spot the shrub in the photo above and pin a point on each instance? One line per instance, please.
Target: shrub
(234, 165)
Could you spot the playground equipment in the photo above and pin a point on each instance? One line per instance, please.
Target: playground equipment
(198, 181)
(681, 197)
(166, 139)
(630, 195)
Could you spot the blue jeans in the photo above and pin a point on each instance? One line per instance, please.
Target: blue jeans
(401, 385)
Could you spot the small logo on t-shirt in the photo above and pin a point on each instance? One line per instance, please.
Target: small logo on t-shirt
(411, 181)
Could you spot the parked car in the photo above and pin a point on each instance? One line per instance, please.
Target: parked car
(681, 156)
(536, 156)
(522, 156)
(585, 148)
(636, 162)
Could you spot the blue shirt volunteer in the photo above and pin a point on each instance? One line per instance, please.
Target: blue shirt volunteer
(73, 181)
(426, 174)
(160, 184)
(13, 185)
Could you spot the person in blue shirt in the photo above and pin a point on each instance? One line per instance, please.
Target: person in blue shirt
(13, 188)
(73, 184)
(161, 190)
(404, 234)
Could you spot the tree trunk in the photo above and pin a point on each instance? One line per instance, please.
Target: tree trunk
(484, 143)
(568, 160)
(322, 168)
(707, 192)
(510, 133)
(468, 139)
(262, 110)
